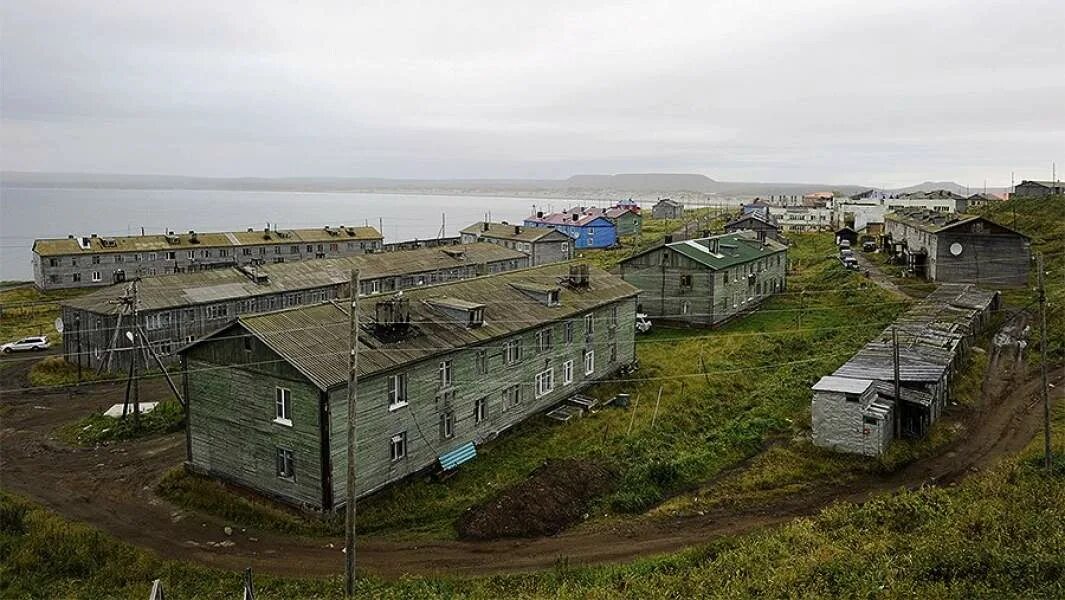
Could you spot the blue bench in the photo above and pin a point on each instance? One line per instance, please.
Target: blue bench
(453, 458)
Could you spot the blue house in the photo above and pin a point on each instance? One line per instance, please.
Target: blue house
(587, 231)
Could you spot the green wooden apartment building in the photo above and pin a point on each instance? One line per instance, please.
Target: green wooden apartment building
(440, 367)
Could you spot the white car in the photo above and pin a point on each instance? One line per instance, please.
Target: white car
(643, 324)
(39, 342)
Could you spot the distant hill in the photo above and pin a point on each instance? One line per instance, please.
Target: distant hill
(683, 185)
(950, 186)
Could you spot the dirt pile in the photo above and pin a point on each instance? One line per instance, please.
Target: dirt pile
(556, 495)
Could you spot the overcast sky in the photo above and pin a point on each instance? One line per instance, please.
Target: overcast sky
(877, 93)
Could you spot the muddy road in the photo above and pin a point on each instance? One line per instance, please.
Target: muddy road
(112, 488)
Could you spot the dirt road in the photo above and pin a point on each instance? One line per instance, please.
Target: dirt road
(112, 489)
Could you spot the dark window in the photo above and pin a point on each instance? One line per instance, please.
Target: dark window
(480, 410)
(286, 465)
(447, 425)
(482, 362)
(397, 390)
(567, 332)
(247, 343)
(685, 281)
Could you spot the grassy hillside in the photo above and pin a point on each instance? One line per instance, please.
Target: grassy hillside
(25, 310)
(725, 393)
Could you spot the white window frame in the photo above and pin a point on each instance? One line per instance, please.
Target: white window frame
(589, 323)
(447, 425)
(545, 382)
(396, 399)
(397, 447)
(589, 362)
(567, 372)
(96, 276)
(283, 406)
(447, 372)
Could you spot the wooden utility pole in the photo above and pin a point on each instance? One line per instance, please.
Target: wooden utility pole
(1047, 460)
(353, 380)
(136, 370)
(898, 383)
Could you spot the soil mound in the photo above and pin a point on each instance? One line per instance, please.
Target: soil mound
(556, 495)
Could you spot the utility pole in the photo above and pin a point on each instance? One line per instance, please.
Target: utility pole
(77, 337)
(898, 384)
(136, 370)
(353, 380)
(1047, 461)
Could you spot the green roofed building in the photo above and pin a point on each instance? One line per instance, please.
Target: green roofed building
(707, 281)
(441, 368)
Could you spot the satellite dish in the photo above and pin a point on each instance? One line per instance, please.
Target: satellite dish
(955, 249)
(59, 324)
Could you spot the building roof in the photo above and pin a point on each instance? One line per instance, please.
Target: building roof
(1043, 183)
(930, 335)
(934, 222)
(508, 231)
(668, 202)
(614, 211)
(314, 339)
(984, 196)
(185, 241)
(558, 219)
(232, 283)
(731, 249)
(933, 195)
(845, 385)
(757, 216)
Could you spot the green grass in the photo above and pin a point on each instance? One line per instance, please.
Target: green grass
(55, 371)
(97, 428)
(652, 233)
(997, 534)
(28, 311)
(725, 393)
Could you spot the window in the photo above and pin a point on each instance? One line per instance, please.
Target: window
(73, 261)
(53, 262)
(589, 362)
(851, 397)
(310, 249)
(245, 251)
(75, 277)
(482, 362)
(567, 332)
(53, 278)
(283, 406)
(545, 382)
(589, 323)
(398, 446)
(511, 396)
(614, 352)
(171, 255)
(247, 343)
(511, 352)
(223, 252)
(96, 276)
(217, 311)
(152, 256)
(447, 425)
(293, 249)
(96, 259)
(334, 248)
(567, 372)
(119, 258)
(286, 465)
(543, 339)
(614, 315)
(397, 391)
(480, 410)
(445, 373)
(686, 281)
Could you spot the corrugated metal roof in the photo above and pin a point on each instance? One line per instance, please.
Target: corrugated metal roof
(182, 289)
(314, 339)
(183, 240)
(935, 222)
(509, 232)
(732, 249)
(582, 220)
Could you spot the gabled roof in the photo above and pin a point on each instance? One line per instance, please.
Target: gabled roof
(184, 241)
(757, 216)
(1043, 183)
(314, 339)
(935, 222)
(506, 231)
(934, 194)
(732, 249)
(561, 219)
(668, 202)
(218, 285)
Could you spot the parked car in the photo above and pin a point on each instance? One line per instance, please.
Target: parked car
(844, 243)
(846, 253)
(868, 246)
(849, 262)
(39, 342)
(643, 324)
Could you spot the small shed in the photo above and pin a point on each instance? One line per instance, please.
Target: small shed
(845, 233)
(667, 209)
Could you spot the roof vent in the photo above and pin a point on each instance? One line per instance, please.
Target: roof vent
(576, 217)
(351, 231)
(192, 238)
(392, 316)
(171, 238)
(254, 275)
(455, 252)
(517, 229)
(578, 276)
(84, 243)
(266, 233)
(109, 242)
(484, 226)
(461, 312)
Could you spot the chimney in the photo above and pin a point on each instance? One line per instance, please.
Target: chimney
(484, 226)
(517, 229)
(576, 216)
(392, 315)
(539, 214)
(70, 236)
(578, 275)
(93, 235)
